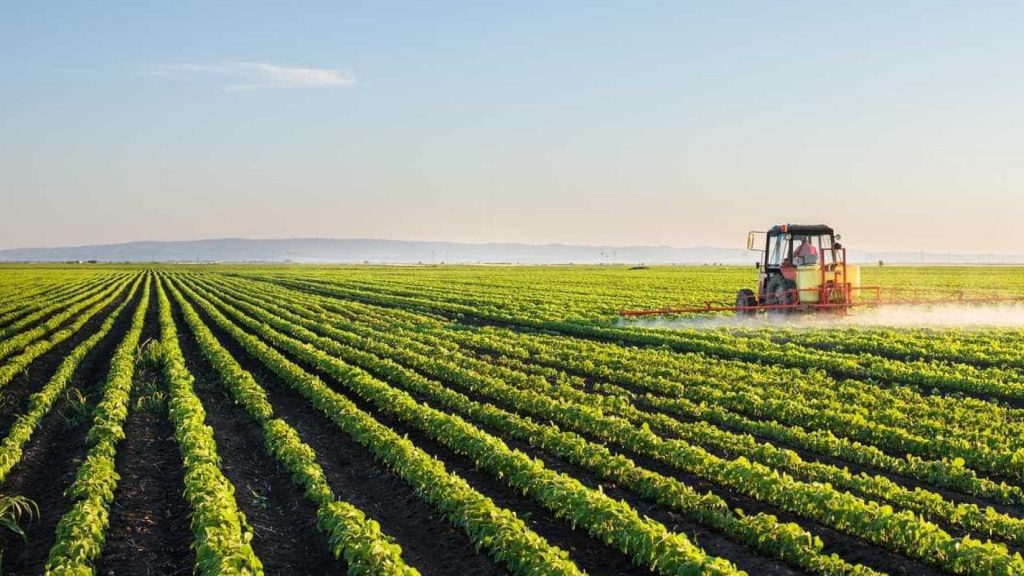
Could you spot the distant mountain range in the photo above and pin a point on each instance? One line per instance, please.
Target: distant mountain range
(325, 250)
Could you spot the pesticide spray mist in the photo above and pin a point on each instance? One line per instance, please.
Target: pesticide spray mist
(944, 316)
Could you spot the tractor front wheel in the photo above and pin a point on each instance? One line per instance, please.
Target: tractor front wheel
(780, 292)
(745, 300)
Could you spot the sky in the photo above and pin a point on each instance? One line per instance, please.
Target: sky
(639, 123)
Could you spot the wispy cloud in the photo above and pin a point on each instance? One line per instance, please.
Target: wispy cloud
(239, 75)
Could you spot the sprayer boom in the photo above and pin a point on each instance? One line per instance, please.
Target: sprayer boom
(803, 268)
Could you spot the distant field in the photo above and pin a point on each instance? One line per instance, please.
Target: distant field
(464, 420)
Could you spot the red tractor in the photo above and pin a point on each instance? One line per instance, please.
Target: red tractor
(801, 266)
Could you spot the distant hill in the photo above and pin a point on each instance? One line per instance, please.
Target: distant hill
(325, 250)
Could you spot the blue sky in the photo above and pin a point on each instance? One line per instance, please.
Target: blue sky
(627, 123)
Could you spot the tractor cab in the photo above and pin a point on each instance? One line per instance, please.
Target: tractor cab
(800, 264)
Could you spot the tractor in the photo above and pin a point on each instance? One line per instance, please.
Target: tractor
(801, 266)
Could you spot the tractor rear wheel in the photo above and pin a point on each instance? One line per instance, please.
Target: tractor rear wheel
(745, 298)
(780, 292)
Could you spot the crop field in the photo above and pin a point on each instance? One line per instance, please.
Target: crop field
(472, 420)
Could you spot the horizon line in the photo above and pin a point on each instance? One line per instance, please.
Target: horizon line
(922, 252)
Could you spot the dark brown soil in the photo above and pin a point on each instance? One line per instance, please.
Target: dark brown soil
(149, 519)
(149, 529)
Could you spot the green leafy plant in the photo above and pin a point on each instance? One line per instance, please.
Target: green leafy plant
(75, 410)
(14, 509)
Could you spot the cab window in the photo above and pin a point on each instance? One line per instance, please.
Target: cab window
(778, 249)
(828, 256)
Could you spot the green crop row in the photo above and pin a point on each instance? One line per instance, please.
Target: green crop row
(496, 530)
(931, 413)
(28, 306)
(763, 532)
(945, 472)
(22, 343)
(222, 537)
(841, 418)
(899, 531)
(40, 403)
(417, 355)
(720, 345)
(611, 521)
(81, 531)
(367, 551)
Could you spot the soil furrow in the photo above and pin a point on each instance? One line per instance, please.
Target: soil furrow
(149, 517)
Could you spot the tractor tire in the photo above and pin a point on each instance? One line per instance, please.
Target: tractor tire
(745, 297)
(780, 292)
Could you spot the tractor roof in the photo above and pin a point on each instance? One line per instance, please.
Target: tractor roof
(801, 229)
